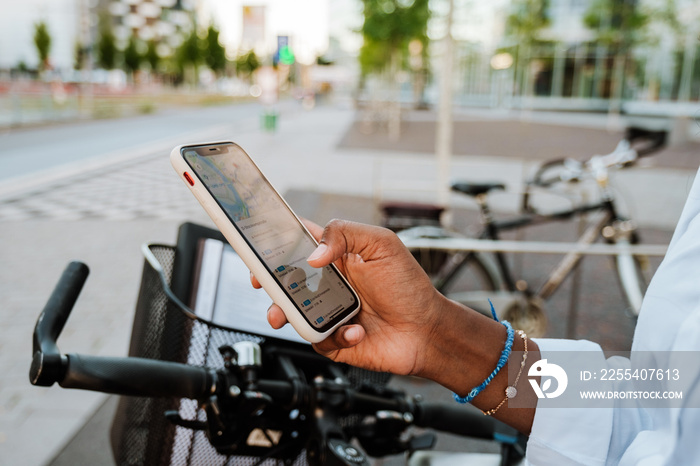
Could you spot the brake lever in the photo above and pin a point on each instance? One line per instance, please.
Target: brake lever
(380, 435)
(173, 416)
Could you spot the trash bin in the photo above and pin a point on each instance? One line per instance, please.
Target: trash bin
(269, 121)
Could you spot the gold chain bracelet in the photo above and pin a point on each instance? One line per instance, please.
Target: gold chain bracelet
(511, 391)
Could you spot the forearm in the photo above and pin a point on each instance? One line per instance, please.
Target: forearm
(465, 348)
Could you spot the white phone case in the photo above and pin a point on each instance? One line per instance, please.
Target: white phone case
(267, 281)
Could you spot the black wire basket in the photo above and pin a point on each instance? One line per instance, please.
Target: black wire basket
(166, 329)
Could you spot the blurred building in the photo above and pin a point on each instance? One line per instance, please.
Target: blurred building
(563, 65)
(166, 21)
(73, 23)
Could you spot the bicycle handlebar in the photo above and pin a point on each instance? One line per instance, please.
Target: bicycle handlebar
(638, 142)
(137, 377)
(55, 314)
(47, 362)
(122, 376)
(656, 140)
(235, 393)
(456, 420)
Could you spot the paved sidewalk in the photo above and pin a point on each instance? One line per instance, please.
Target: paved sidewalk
(528, 136)
(103, 215)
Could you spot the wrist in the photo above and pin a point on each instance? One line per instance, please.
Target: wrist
(461, 348)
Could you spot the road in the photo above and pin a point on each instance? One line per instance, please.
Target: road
(29, 152)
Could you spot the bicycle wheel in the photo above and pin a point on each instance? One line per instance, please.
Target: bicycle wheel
(632, 272)
(469, 277)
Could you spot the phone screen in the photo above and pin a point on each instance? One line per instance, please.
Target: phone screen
(272, 231)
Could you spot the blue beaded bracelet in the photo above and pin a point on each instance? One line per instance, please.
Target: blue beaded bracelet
(505, 354)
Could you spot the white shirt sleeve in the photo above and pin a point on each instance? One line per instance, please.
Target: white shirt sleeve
(669, 321)
(557, 435)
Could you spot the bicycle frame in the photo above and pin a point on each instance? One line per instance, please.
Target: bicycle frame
(493, 228)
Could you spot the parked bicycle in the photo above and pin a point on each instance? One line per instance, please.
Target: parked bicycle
(472, 276)
(250, 400)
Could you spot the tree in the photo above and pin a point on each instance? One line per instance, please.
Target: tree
(42, 42)
(106, 45)
(523, 27)
(618, 25)
(132, 56)
(189, 54)
(152, 57)
(388, 27)
(214, 53)
(247, 63)
(670, 22)
(526, 20)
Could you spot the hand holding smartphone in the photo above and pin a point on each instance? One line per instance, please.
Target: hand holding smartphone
(268, 236)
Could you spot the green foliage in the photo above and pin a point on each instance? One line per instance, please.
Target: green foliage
(667, 16)
(214, 52)
(106, 46)
(132, 56)
(42, 42)
(247, 63)
(389, 25)
(189, 52)
(151, 56)
(619, 24)
(526, 20)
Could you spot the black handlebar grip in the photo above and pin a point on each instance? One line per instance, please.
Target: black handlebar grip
(655, 140)
(138, 377)
(47, 364)
(455, 419)
(58, 307)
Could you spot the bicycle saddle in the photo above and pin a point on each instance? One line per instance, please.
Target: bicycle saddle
(474, 189)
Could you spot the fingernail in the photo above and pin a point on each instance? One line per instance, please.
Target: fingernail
(352, 334)
(320, 251)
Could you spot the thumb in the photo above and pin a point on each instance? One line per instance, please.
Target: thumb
(342, 237)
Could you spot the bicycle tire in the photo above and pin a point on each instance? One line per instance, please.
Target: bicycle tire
(632, 273)
(465, 276)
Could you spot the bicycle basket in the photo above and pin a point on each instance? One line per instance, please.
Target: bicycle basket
(165, 329)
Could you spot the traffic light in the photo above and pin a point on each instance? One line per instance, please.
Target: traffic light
(286, 56)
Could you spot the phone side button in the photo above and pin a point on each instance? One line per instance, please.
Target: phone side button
(188, 178)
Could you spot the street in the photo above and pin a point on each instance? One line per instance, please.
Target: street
(27, 151)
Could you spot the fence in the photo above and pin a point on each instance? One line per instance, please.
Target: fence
(583, 77)
(34, 102)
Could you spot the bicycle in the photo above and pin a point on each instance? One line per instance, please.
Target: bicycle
(463, 272)
(250, 400)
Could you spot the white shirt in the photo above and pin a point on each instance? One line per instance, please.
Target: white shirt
(669, 321)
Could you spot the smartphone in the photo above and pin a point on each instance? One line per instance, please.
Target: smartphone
(267, 235)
